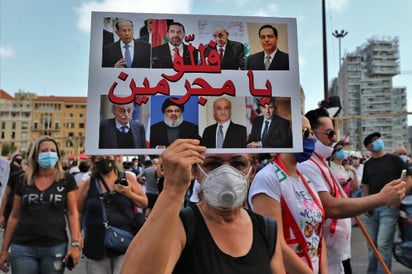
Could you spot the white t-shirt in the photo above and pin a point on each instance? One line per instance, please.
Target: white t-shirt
(272, 181)
(337, 243)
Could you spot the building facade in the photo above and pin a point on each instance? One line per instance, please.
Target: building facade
(26, 116)
(369, 101)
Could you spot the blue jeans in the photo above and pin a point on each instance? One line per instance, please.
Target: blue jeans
(106, 265)
(381, 226)
(37, 260)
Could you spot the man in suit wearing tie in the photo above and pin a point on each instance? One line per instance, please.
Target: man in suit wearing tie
(271, 58)
(121, 131)
(269, 130)
(163, 56)
(231, 53)
(127, 52)
(225, 133)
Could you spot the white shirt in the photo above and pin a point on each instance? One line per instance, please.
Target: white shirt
(119, 126)
(299, 200)
(263, 125)
(337, 243)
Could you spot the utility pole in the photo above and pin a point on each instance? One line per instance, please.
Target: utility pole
(325, 52)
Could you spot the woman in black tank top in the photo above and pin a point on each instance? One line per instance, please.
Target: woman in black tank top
(215, 236)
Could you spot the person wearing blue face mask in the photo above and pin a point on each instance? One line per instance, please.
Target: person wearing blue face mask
(381, 222)
(338, 207)
(35, 240)
(344, 173)
(281, 192)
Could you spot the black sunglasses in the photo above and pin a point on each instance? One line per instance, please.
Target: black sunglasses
(306, 132)
(330, 133)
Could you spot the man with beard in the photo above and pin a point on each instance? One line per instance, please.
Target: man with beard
(164, 55)
(173, 127)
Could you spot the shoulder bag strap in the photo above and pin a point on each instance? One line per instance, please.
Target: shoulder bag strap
(104, 213)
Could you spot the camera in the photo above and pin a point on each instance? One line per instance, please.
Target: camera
(121, 181)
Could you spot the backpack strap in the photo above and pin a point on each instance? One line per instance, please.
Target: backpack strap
(271, 231)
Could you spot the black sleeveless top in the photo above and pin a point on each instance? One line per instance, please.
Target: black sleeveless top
(119, 212)
(201, 255)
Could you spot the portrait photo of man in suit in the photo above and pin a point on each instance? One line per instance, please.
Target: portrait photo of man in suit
(127, 52)
(163, 56)
(173, 126)
(231, 53)
(271, 58)
(224, 133)
(269, 130)
(122, 131)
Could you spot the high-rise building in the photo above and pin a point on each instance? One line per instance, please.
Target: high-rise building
(26, 116)
(369, 101)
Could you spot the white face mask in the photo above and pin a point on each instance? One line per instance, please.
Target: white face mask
(224, 187)
(323, 150)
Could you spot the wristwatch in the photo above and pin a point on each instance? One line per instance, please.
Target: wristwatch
(76, 244)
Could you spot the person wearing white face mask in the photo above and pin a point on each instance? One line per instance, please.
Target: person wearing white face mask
(215, 236)
(381, 222)
(333, 198)
(35, 239)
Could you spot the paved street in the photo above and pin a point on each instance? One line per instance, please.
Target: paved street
(360, 255)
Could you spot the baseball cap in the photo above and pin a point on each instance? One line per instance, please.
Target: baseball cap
(369, 138)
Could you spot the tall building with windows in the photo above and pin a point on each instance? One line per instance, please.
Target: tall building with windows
(369, 101)
(26, 116)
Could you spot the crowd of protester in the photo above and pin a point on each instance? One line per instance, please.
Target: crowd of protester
(55, 206)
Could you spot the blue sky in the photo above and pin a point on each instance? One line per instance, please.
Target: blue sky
(44, 46)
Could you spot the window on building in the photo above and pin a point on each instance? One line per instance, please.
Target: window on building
(47, 121)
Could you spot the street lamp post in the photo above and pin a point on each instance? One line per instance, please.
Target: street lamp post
(340, 35)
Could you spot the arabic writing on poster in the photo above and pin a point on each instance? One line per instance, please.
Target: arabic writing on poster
(194, 75)
(198, 87)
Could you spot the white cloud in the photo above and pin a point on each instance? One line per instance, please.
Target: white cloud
(268, 10)
(144, 6)
(6, 52)
(337, 5)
